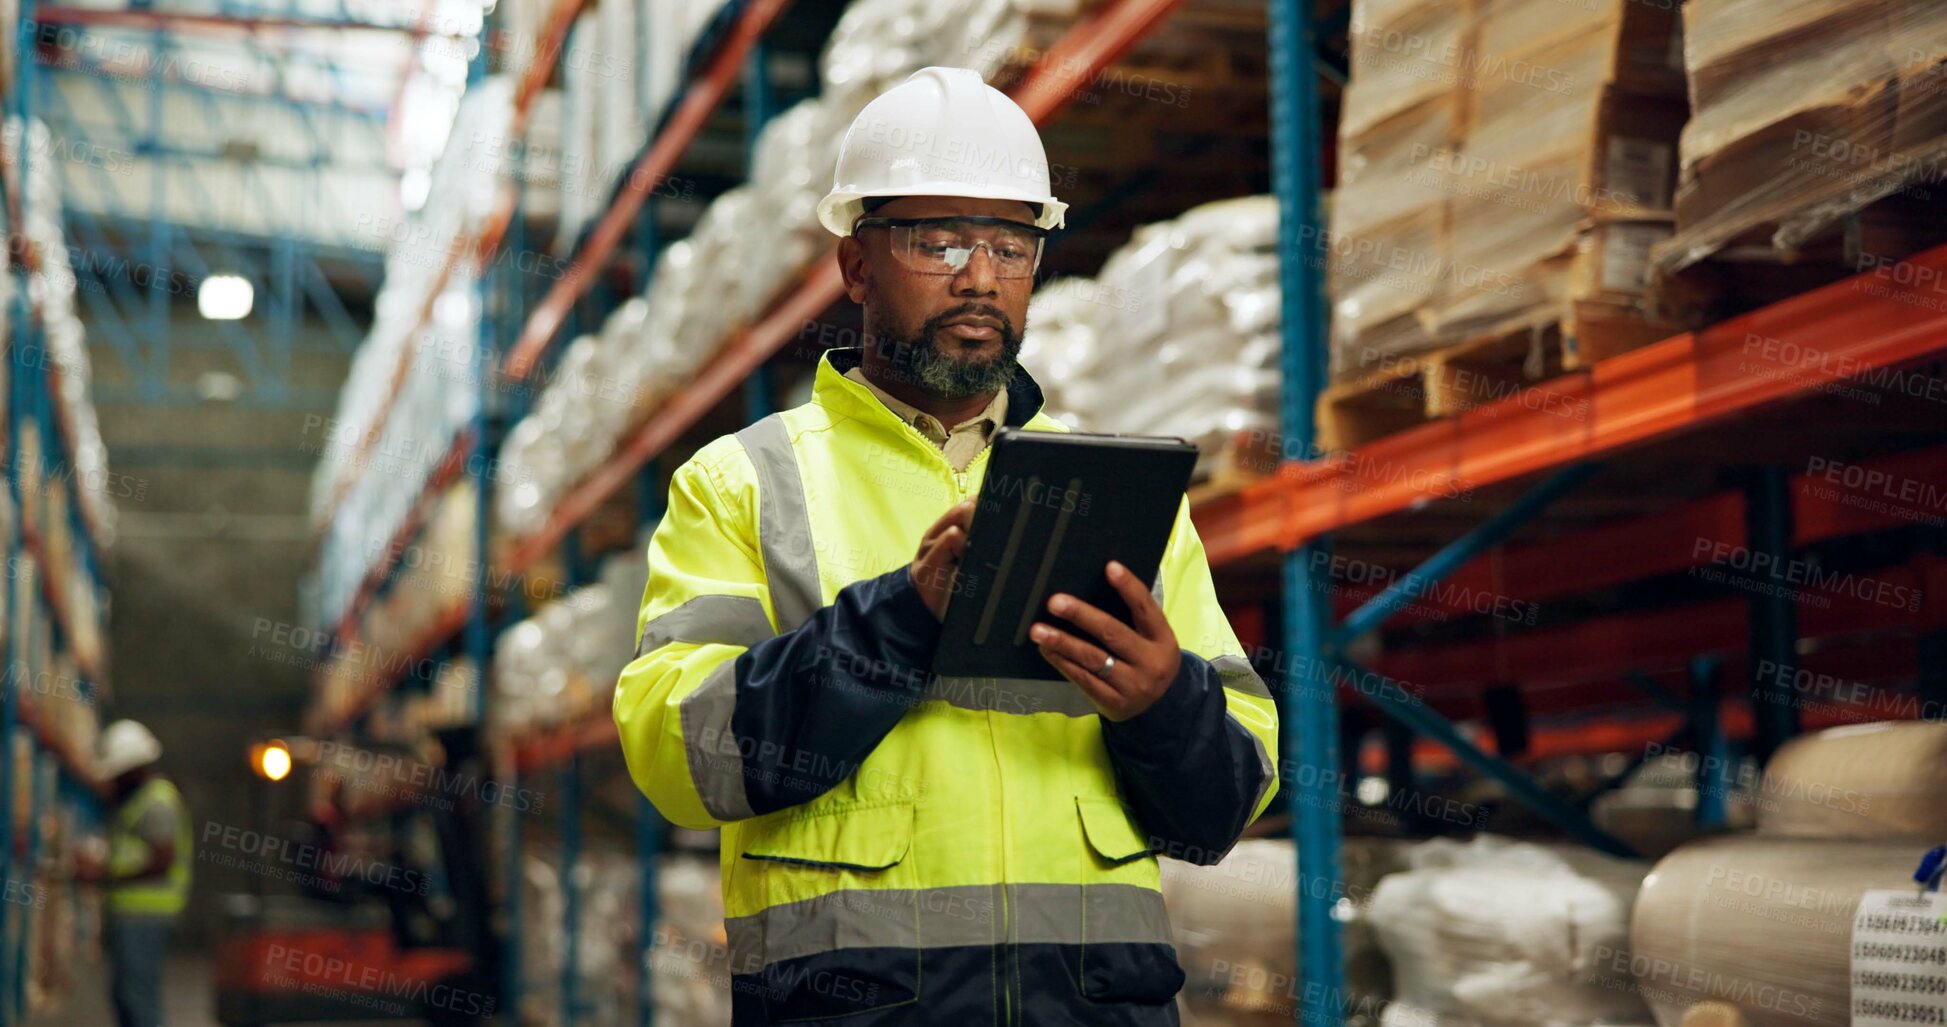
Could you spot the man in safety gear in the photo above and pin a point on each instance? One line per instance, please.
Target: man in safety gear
(146, 877)
(900, 847)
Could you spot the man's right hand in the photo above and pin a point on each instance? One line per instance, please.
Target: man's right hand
(940, 550)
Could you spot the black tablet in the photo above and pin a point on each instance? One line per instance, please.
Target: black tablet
(1054, 509)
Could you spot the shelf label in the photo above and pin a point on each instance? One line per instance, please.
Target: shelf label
(1899, 959)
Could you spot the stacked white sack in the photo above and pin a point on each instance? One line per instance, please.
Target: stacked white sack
(1494, 932)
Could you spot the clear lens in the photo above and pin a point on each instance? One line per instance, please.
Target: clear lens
(944, 246)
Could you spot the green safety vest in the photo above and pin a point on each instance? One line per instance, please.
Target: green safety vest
(128, 851)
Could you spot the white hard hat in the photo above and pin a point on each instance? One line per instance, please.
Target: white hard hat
(124, 746)
(942, 132)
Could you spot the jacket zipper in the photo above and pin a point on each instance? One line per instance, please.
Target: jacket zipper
(1010, 1012)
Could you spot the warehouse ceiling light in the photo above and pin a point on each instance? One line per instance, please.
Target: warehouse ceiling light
(225, 298)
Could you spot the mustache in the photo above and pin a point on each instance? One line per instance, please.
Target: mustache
(938, 321)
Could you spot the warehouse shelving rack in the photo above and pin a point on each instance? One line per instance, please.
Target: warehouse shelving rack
(56, 768)
(1662, 392)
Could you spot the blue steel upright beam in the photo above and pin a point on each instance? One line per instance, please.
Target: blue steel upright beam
(19, 104)
(1773, 609)
(1310, 716)
(570, 888)
(514, 882)
(1394, 701)
(1714, 778)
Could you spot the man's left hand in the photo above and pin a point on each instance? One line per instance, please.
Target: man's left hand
(1145, 650)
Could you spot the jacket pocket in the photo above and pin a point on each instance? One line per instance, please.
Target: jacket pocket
(837, 940)
(1126, 956)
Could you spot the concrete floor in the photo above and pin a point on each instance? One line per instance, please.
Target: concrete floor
(189, 996)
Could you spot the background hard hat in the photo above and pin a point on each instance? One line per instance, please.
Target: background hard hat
(942, 132)
(125, 745)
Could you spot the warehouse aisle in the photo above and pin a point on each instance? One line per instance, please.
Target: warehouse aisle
(190, 997)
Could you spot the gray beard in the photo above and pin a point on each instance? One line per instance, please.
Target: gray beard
(919, 361)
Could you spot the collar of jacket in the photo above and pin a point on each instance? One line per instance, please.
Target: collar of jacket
(835, 392)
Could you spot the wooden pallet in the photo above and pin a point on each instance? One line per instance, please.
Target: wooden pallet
(1451, 380)
(1751, 272)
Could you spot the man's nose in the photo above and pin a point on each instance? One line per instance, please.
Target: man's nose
(976, 277)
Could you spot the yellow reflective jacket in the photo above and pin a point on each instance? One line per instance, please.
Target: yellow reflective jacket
(129, 850)
(898, 845)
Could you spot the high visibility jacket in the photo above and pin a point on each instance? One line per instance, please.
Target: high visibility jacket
(898, 845)
(129, 851)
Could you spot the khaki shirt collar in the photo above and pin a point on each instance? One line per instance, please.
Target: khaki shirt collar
(984, 422)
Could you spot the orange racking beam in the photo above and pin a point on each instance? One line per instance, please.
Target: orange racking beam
(1884, 318)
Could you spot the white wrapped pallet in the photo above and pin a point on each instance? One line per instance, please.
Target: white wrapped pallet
(563, 661)
(1196, 299)
(1494, 932)
(789, 174)
(878, 43)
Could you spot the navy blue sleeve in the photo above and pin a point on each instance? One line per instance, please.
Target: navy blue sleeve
(1191, 774)
(812, 703)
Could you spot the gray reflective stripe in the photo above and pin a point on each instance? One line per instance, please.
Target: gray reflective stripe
(1235, 672)
(707, 619)
(931, 918)
(1030, 695)
(1009, 695)
(1265, 771)
(716, 767)
(783, 525)
(1157, 590)
(1104, 914)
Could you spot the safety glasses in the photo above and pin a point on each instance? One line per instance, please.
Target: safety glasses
(943, 246)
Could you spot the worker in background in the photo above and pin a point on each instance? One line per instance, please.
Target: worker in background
(900, 848)
(146, 876)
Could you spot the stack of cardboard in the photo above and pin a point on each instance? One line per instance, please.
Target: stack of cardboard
(1504, 166)
(1805, 113)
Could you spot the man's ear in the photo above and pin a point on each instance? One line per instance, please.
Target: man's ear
(851, 265)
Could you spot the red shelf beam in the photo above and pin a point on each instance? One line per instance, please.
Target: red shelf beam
(1665, 543)
(699, 100)
(1841, 331)
(1606, 647)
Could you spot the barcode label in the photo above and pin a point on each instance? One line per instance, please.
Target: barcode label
(1899, 960)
